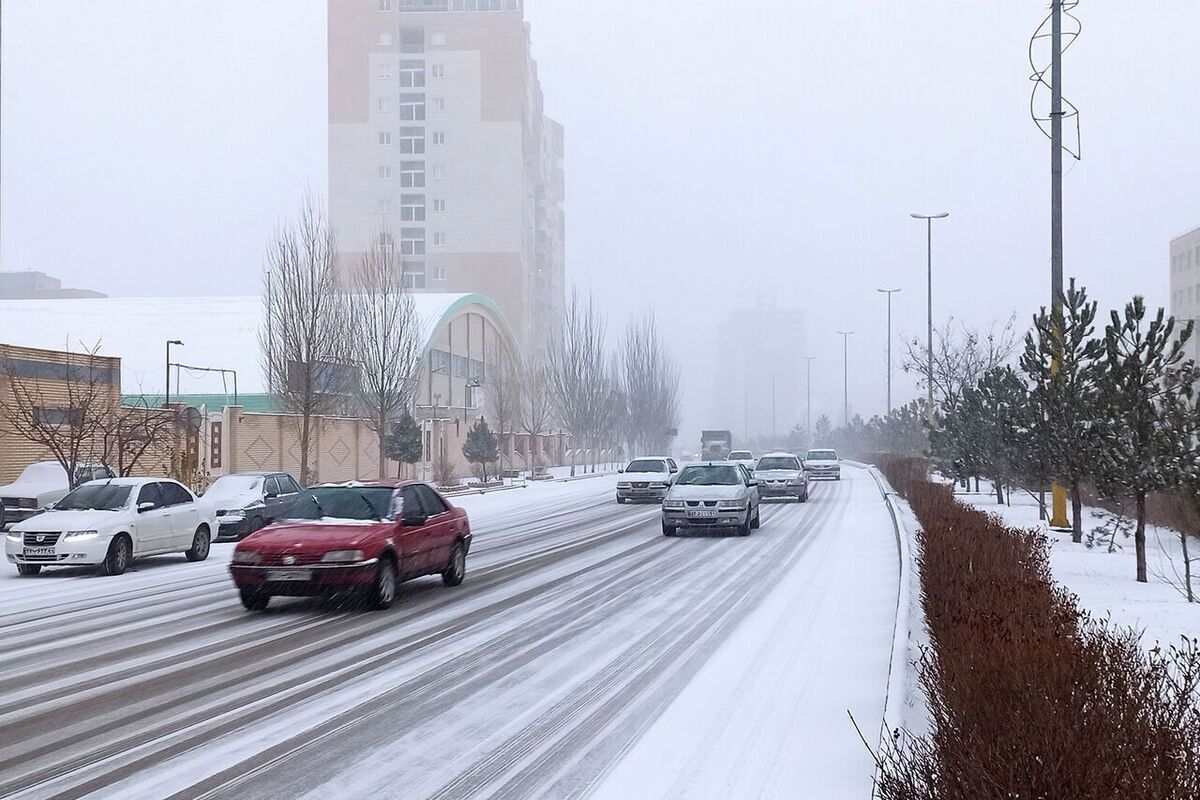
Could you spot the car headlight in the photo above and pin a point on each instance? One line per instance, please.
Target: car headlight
(80, 535)
(14, 537)
(672, 504)
(623, 484)
(246, 557)
(239, 513)
(736, 505)
(343, 556)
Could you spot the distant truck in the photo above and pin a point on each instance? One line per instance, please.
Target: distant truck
(714, 445)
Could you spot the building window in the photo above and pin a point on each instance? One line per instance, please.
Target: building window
(412, 141)
(437, 39)
(439, 172)
(385, 5)
(439, 205)
(57, 416)
(412, 73)
(438, 70)
(439, 104)
(412, 106)
(412, 40)
(383, 105)
(412, 207)
(414, 274)
(439, 273)
(412, 174)
(439, 137)
(385, 172)
(385, 40)
(386, 240)
(439, 239)
(439, 361)
(412, 241)
(385, 137)
(385, 71)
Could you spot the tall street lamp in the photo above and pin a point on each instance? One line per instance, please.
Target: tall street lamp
(808, 399)
(846, 376)
(167, 398)
(929, 218)
(773, 377)
(889, 293)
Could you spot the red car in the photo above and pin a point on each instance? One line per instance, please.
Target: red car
(362, 537)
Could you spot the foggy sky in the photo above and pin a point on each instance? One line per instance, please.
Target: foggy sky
(717, 152)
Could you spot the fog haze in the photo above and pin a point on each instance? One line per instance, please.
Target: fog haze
(718, 155)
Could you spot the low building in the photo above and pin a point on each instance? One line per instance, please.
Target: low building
(1185, 282)
(33, 285)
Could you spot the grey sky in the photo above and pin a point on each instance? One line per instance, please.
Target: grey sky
(716, 152)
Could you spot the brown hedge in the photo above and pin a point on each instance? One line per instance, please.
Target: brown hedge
(1028, 697)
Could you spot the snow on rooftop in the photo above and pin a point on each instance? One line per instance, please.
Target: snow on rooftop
(217, 332)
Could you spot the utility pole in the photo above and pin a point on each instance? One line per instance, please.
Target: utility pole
(167, 397)
(889, 293)
(773, 406)
(1058, 493)
(845, 376)
(929, 218)
(808, 399)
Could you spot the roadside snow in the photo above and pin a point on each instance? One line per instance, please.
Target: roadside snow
(1105, 582)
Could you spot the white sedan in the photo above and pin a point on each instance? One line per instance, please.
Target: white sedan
(109, 523)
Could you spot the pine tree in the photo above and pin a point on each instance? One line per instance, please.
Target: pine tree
(1066, 392)
(823, 432)
(1136, 392)
(403, 442)
(481, 446)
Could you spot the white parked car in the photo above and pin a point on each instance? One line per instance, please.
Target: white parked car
(39, 486)
(111, 522)
(646, 478)
(823, 463)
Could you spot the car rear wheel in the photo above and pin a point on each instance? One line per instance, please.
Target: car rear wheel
(120, 553)
(255, 601)
(28, 569)
(456, 570)
(200, 545)
(383, 591)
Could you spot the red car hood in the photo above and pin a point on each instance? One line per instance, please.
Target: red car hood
(293, 537)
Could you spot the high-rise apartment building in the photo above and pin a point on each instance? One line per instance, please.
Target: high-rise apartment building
(438, 140)
(1185, 282)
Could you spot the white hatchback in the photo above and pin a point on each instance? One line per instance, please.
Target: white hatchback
(109, 523)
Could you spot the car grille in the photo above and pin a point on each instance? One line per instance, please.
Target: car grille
(50, 558)
(18, 502)
(641, 485)
(698, 503)
(276, 559)
(41, 539)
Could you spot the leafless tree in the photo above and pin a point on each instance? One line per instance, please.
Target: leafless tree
(961, 356)
(502, 391)
(650, 382)
(63, 412)
(536, 403)
(384, 337)
(305, 343)
(578, 371)
(131, 433)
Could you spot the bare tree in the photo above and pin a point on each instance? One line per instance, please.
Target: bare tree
(64, 412)
(649, 380)
(305, 344)
(132, 433)
(502, 387)
(961, 357)
(578, 371)
(536, 408)
(385, 338)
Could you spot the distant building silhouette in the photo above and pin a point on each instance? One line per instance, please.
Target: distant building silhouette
(32, 285)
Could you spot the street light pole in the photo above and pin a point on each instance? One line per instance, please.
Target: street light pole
(773, 432)
(846, 376)
(1058, 492)
(808, 398)
(167, 397)
(929, 218)
(889, 293)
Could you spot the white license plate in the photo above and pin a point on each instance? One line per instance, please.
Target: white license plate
(39, 551)
(289, 575)
(701, 513)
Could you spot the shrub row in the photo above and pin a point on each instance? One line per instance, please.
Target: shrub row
(1028, 697)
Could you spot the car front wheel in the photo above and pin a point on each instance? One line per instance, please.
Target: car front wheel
(120, 553)
(383, 591)
(745, 527)
(756, 523)
(668, 530)
(255, 601)
(28, 569)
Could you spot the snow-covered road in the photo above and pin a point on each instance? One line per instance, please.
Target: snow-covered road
(585, 654)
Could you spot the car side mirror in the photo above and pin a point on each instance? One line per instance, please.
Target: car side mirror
(413, 520)
(270, 495)
(752, 482)
(146, 506)
(621, 471)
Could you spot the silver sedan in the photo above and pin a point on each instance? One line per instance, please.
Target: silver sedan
(716, 494)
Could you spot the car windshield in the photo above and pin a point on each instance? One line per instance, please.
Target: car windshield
(95, 496)
(740, 455)
(231, 485)
(821, 455)
(777, 462)
(646, 465)
(712, 475)
(344, 502)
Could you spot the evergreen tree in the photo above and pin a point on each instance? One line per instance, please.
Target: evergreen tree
(1062, 360)
(823, 431)
(481, 446)
(1139, 446)
(403, 442)
(994, 410)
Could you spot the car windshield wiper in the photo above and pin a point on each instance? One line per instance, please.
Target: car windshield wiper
(370, 508)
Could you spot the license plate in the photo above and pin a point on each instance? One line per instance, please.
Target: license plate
(279, 575)
(39, 551)
(701, 513)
